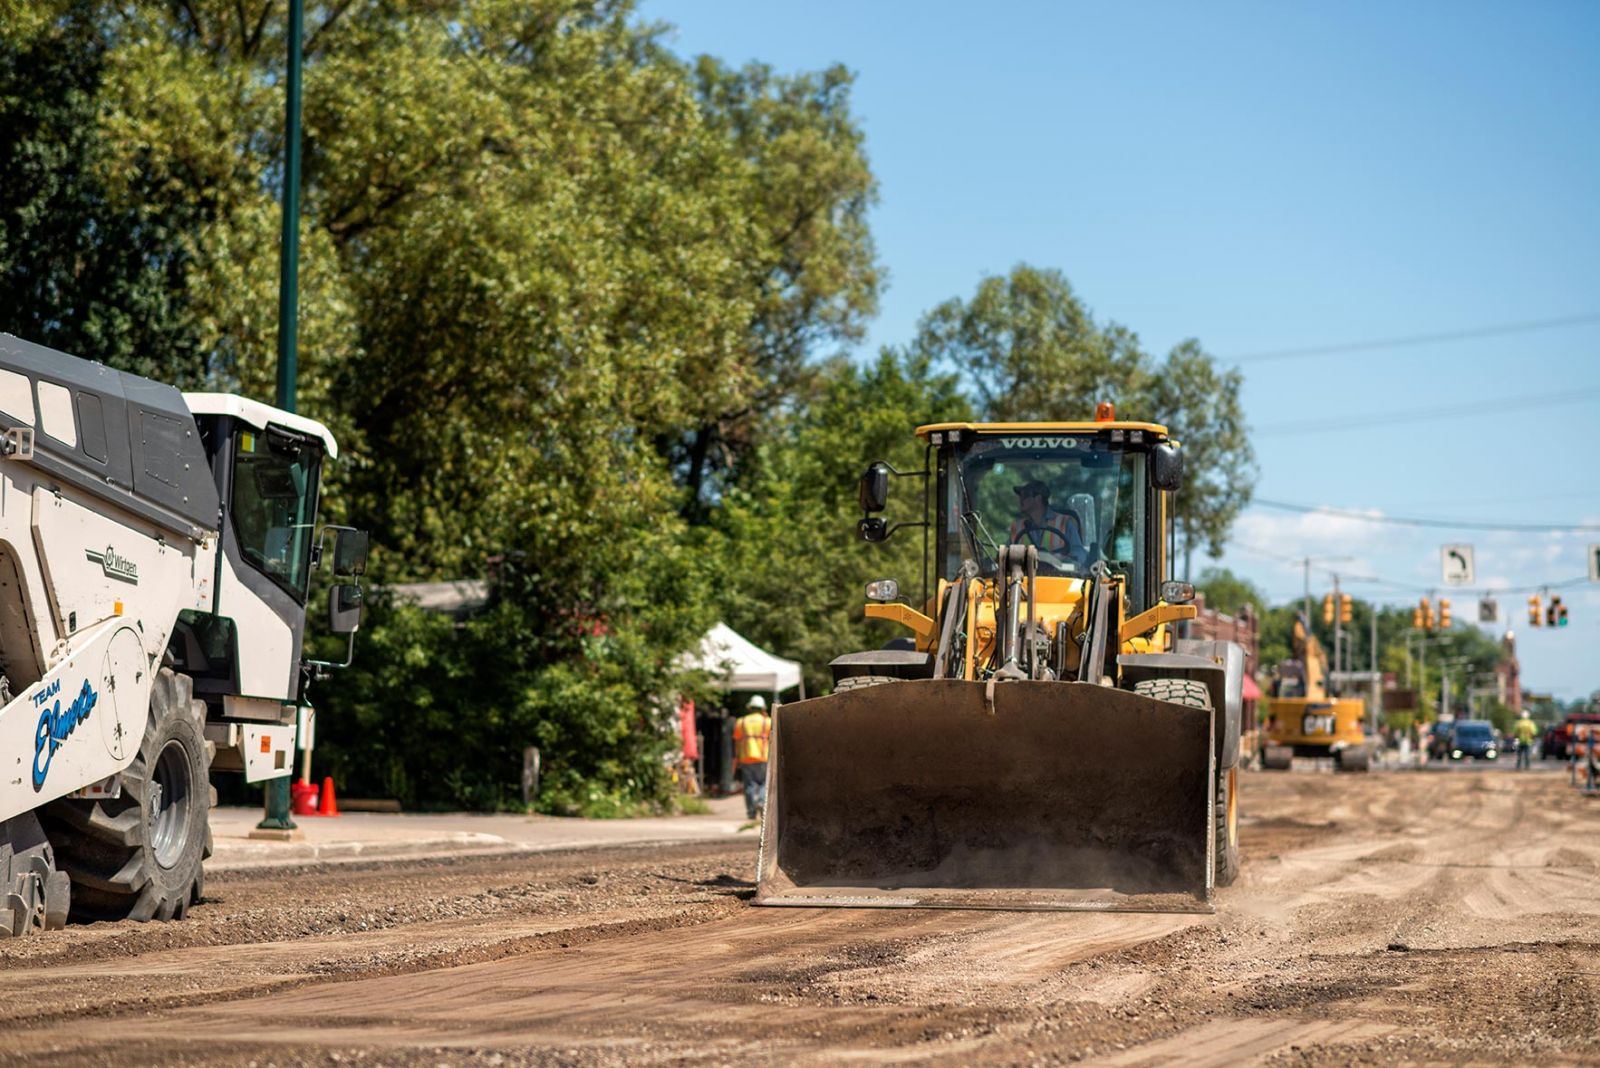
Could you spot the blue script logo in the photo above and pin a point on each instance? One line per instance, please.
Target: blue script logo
(56, 726)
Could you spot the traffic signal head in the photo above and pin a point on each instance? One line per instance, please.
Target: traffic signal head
(1344, 608)
(1428, 622)
(1558, 612)
(1444, 613)
(1535, 616)
(1416, 618)
(1327, 608)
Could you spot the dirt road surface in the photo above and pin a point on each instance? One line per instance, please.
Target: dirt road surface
(1406, 917)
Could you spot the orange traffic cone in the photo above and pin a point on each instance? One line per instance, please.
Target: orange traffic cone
(327, 804)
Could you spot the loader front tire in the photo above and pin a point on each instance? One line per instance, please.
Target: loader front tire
(1225, 850)
(139, 856)
(861, 682)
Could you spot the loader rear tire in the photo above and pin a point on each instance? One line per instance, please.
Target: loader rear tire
(1225, 849)
(861, 682)
(139, 856)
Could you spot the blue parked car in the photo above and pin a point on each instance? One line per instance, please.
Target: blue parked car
(1474, 738)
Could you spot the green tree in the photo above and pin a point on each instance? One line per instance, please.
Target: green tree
(82, 267)
(796, 569)
(554, 281)
(1226, 592)
(803, 253)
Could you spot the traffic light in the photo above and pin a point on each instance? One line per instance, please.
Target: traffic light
(1558, 612)
(1344, 608)
(1444, 613)
(1327, 608)
(1416, 618)
(1535, 616)
(1428, 621)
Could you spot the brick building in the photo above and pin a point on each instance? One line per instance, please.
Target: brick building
(1242, 627)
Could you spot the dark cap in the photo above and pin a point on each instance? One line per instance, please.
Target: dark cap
(1034, 486)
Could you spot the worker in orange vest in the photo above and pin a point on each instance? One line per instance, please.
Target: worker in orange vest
(752, 735)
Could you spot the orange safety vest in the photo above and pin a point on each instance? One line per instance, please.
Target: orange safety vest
(751, 735)
(1050, 535)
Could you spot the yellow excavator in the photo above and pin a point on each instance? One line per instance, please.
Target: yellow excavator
(1043, 739)
(1304, 719)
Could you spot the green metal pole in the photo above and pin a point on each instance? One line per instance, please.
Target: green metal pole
(289, 263)
(278, 816)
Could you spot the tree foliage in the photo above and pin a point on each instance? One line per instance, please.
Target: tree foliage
(88, 265)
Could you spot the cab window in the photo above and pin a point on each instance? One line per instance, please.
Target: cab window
(273, 506)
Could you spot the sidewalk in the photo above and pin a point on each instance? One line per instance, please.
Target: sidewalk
(366, 836)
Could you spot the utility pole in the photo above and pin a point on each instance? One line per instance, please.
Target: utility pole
(1306, 562)
(1338, 629)
(1372, 655)
(277, 820)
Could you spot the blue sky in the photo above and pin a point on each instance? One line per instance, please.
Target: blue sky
(1267, 177)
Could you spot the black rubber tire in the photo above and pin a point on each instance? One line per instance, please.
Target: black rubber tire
(1227, 816)
(861, 682)
(1225, 849)
(1354, 758)
(140, 856)
(1277, 758)
(1191, 692)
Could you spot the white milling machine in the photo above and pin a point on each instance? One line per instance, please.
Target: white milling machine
(156, 550)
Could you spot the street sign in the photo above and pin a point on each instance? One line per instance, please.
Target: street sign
(1456, 565)
(1594, 563)
(1488, 610)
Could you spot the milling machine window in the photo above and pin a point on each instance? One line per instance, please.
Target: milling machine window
(273, 507)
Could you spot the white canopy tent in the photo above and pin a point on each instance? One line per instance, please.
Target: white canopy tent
(736, 663)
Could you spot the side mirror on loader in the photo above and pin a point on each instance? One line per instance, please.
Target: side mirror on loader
(874, 492)
(344, 609)
(1166, 466)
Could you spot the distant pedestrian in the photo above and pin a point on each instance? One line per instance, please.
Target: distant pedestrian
(752, 737)
(1526, 732)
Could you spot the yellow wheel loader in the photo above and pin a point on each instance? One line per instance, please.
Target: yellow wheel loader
(1043, 739)
(1304, 719)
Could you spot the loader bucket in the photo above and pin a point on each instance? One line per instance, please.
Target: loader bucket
(1061, 795)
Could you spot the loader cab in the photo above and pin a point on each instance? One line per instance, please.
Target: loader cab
(1102, 483)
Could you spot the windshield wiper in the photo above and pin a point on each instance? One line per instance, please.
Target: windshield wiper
(972, 523)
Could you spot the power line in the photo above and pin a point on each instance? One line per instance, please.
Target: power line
(1414, 521)
(1497, 330)
(1445, 411)
(1417, 587)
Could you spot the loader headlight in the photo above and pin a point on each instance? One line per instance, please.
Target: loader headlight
(1455, 754)
(883, 590)
(1174, 592)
